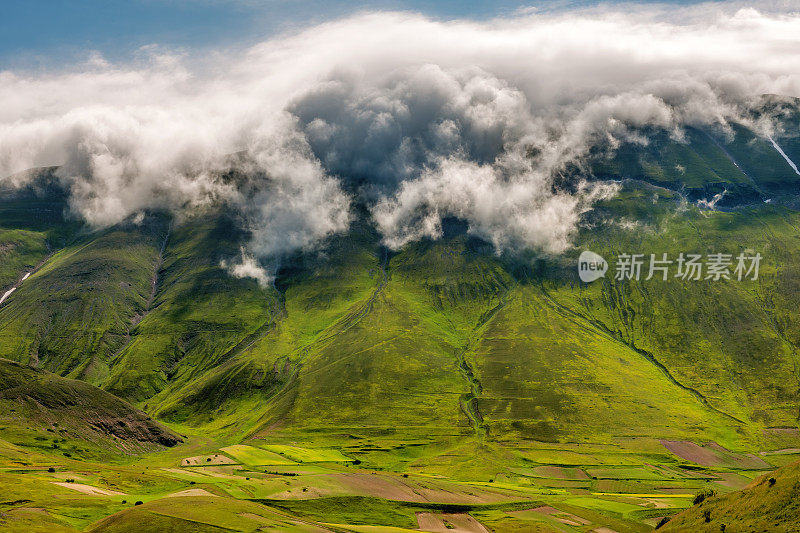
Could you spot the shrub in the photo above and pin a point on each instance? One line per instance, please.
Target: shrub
(701, 496)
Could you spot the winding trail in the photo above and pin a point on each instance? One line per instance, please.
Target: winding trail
(353, 319)
(367, 307)
(294, 361)
(597, 325)
(279, 312)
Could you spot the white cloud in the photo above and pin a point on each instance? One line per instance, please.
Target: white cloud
(420, 118)
(248, 267)
(514, 211)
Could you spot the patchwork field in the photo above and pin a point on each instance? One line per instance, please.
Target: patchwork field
(628, 487)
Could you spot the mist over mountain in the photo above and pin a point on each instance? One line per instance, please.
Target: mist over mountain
(390, 272)
(417, 119)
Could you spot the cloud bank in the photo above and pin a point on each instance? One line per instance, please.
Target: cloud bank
(415, 118)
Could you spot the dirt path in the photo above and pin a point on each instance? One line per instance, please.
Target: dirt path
(449, 523)
(88, 489)
(190, 492)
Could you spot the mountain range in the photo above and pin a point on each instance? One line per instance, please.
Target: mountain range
(444, 384)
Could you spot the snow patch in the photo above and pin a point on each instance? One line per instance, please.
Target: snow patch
(6, 295)
(783, 154)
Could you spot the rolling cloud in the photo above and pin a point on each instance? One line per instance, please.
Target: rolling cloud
(418, 119)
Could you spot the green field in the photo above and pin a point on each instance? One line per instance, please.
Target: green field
(306, 455)
(256, 456)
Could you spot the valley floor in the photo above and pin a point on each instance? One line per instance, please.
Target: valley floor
(357, 482)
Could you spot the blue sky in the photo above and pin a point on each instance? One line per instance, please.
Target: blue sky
(44, 33)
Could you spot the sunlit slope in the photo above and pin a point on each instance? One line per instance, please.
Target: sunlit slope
(734, 342)
(395, 361)
(546, 375)
(453, 339)
(456, 338)
(445, 336)
(203, 514)
(72, 314)
(365, 341)
(136, 307)
(770, 503)
(315, 294)
(440, 335)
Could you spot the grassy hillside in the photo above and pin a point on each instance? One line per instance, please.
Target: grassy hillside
(72, 314)
(196, 315)
(42, 410)
(770, 503)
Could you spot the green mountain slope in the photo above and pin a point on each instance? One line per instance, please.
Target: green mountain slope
(37, 406)
(441, 334)
(739, 162)
(770, 503)
(72, 314)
